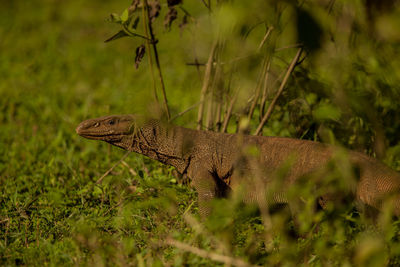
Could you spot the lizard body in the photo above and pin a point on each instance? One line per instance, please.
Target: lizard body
(215, 162)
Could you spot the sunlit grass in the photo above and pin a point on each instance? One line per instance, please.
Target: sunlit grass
(55, 71)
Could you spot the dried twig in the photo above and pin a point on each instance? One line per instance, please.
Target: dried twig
(112, 168)
(265, 37)
(207, 254)
(264, 93)
(212, 103)
(284, 81)
(132, 171)
(210, 111)
(257, 94)
(206, 83)
(228, 113)
(183, 112)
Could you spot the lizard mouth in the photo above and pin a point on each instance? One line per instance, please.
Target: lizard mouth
(94, 135)
(103, 137)
(90, 134)
(109, 135)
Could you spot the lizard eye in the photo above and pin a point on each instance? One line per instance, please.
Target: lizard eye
(96, 124)
(111, 122)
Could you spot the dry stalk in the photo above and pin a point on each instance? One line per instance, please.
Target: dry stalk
(230, 261)
(206, 83)
(265, 88)
(280, 90)
(257, 94)
(132, 171)
(183, 112)
(213, 101)
(112, 168)
(265, 37)
(228, 113)
(210, 110)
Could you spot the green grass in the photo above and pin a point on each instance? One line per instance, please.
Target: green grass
(55, 71)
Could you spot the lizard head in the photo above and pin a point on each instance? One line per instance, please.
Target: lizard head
(115, 129)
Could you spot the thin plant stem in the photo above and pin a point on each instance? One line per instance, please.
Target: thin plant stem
(206, 83)
(228, 114)
(156, 58)
(100, 180)
(265, 37)
(265, 89)
(280, 90)
(257, 93)
(144, 15)
(212, 105)
(183, 112)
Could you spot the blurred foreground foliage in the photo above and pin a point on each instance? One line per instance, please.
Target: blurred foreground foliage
(224, 62)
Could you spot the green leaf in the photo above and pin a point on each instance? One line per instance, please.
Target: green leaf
(116, 36)
(115, 18)
(125, 15)
(326, 111)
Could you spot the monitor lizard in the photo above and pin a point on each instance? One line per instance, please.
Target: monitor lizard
(215, 162)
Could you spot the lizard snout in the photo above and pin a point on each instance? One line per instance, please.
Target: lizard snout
(83, 127)
(79, 129)
(92, 129)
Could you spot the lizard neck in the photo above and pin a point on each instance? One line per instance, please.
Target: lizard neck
(162, 142)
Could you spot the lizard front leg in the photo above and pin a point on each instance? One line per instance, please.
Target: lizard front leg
(208, 186)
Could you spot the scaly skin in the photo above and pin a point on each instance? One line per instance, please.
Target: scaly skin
(218, 163)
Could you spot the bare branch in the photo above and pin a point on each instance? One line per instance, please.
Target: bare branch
(280, 90)
(264, 93)
(206, 83)
(258, 89)
(130, 169)
(183, 112)
(212, 104)
(112, 168)
(228, 113)
(265, 37)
